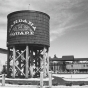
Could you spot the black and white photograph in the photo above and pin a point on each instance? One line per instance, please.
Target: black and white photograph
(43, 43)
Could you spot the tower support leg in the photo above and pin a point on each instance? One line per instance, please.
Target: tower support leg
(27, 56)
(48, 62)
(14, 54)
(45, 62)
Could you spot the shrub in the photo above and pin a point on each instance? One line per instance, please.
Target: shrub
(10, 83)
(69, 84)
(29, 83)
(19, 83)
(81, 84)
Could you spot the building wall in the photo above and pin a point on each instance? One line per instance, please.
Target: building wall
(77, 66)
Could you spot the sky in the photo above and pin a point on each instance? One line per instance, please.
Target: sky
(68, 24)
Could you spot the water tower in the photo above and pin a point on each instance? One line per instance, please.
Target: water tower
(28, 44)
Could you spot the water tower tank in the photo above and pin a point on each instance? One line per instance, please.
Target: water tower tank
(28, 27)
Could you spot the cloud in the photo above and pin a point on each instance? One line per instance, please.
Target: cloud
(59, 31)
(72, 16)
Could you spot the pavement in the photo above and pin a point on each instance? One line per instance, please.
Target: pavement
(32, 86)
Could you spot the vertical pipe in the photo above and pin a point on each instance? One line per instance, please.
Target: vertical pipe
(50, 79)
(14, 54)
(27, 55)
(41, 80)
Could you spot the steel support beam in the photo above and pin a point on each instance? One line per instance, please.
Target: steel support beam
(14, 54)
(27, 57)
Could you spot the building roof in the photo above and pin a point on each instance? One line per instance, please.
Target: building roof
(68, 58)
